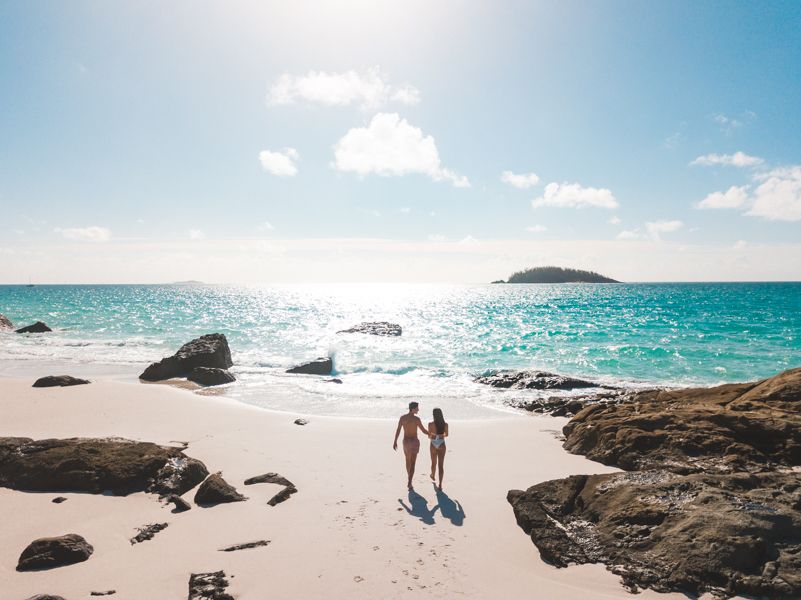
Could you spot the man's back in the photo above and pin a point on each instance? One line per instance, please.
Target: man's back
(410, 424)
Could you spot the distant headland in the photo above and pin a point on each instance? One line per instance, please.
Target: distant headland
(556, 275)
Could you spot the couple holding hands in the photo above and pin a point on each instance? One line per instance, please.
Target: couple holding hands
(437, 431)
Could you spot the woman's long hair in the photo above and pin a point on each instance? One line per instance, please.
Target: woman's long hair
(439, 421)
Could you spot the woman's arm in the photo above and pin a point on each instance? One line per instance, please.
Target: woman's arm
(446, 431)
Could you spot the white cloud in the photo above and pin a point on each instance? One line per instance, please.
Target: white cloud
(734, 197)
(370, 89)
(86, 234)
(614, 220)
(656, 228)
(196, 234)
(522, 181)
(536, 228)
(630, 234)
(778, 196)
(738, 159)
(390, 146)
(573, 195)
(282, 163)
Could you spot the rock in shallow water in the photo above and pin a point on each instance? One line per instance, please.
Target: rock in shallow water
(209, 350)
(5, 323)
(96, 465)
(375, 328)
(730, 534)
(59, 381)
(49, 553)
(210, 376)
(37, 327)
(215, 490)
(533, 380)
(319, 366)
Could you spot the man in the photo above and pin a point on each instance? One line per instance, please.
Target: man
(411, 445)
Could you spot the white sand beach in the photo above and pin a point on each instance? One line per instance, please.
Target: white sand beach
(344, 534)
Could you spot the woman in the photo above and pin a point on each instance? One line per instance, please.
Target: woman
(437, 432)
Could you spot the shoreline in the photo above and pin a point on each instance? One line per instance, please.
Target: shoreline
(344, 532)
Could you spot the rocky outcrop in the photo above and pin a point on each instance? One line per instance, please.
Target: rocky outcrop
(727, 534)
(37, 327)
(215, 490)
(565, 406)
(320, 366)
(206, 351)
(208, 586)
(5, 323)
(533, 380)
(52, 552)
(96, 465)
(269, 478)
(246, 546)
(210, 376)
(147, 532)
(375, 328)
(59, 381)
(736, 427)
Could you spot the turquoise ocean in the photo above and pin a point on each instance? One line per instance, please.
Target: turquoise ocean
(635, 335)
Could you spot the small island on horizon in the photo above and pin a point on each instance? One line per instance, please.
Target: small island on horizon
(556, 275)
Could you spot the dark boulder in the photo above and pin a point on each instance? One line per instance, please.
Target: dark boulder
(45, 597)
(210, 376)
(300, 422)
(49, 553)
(206, 351)
(375, 328)
(5, 323)
(283, 495)
(59, 381)
(729, 534)
(37, 327)
(215, 490)
(208, 586)
(320, 366)
(533, 380)
(269, 478)
(58, 500)
(741, 427)
(96, 465)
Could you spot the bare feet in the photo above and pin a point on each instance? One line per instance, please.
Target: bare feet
(432, 476)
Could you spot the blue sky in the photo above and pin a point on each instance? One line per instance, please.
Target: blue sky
(335, 141)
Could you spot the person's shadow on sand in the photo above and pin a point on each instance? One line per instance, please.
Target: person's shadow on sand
(450, 509)
(418, 507)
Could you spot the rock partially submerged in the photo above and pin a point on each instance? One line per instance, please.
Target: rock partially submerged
(5, 323)
(206, 351)
(210, 376)
(52, 552)
(59, 381)
(533, 380)
(319, 366)
(735, 427)
(375, 328)
(215, 490)
(96, 465)
(208, 586)
(566, 406)
(37, 327)
(726, 534)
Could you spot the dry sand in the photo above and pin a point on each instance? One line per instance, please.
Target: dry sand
(345, 534)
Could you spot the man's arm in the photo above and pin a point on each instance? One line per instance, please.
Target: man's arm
(420, 425)
(397, 433)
